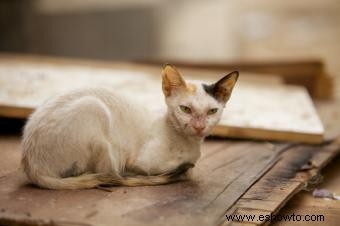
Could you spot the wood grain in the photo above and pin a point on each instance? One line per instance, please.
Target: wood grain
(226, 179)
(304, 203)
(231, 178)
(285, 179)
(225, 171)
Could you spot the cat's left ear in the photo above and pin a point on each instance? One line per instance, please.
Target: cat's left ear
(221, 90)
(171, 80)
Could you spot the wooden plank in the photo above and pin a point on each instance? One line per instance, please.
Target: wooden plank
(256, 110)
(217, 181)
(221, 176)
(304, 203)
(225, 172)
(285, 179)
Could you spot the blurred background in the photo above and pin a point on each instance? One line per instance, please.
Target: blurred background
(182, 30)
(228, 33)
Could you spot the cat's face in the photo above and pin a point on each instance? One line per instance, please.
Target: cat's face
(195, 108)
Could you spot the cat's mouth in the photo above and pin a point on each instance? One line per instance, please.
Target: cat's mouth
(200, 134)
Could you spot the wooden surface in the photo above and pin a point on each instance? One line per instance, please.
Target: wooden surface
(259, 108)
(231, 177)
(275, 188)
(286, 179)
(200, 201)
(246, 177)
(304, 203)
(222, 182)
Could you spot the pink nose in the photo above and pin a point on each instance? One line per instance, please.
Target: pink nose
(198, 123)
(199, 127)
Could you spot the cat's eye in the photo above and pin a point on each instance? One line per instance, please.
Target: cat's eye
(185, 109)
(212, 111)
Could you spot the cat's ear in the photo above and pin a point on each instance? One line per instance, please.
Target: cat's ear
(221, 90)
(171, 80)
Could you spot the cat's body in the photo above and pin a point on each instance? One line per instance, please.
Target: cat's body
(92, 137)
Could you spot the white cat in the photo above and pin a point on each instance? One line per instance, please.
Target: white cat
(94, 137)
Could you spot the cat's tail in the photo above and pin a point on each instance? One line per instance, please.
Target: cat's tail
(86, 181)
(173, 176)
(83, 181)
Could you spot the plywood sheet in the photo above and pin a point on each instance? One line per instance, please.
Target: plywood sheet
(256, 110)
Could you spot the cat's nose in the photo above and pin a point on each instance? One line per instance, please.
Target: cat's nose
(198, 124)
(199, 127)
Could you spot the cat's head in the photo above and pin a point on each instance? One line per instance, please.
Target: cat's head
(195, 108)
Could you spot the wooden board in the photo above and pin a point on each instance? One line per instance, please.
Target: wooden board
(287, 178)
(225, 171)
(226, 179)
(256, 110)
(304, 203)
(222, 183)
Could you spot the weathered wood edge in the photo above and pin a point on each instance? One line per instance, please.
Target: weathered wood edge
(300, 181)
(258, 133)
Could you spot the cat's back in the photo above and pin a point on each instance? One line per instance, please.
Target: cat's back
(124, 111)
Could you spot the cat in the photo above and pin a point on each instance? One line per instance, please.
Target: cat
(95, 136)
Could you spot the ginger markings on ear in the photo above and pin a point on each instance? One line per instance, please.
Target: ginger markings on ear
(171, 80)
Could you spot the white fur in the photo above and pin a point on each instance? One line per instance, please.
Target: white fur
(99, 131)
